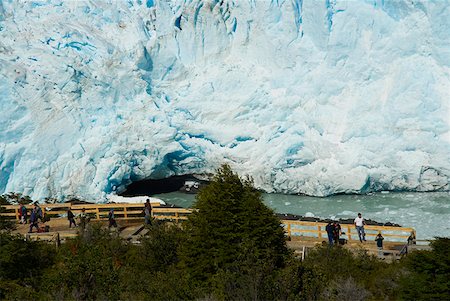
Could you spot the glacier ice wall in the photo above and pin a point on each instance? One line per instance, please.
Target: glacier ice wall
(306, 96)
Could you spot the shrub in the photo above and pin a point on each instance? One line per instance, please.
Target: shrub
(427, 273)
(88, 267)
(22, 264)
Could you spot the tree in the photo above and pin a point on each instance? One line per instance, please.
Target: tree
(231, 232)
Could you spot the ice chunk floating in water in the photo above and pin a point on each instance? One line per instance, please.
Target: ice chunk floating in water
(315, 97)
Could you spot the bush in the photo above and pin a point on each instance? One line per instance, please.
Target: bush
(22, 265)
(427, 273)
(87, 268)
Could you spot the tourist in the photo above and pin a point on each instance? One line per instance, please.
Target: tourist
(359, 224)
(336, 232)
(330, 232)
(71, 218)
(39, 211)
(20, 213)
(379, 239)
(83, 218)
(111, 219)
(24, 213)
(148, 212)
(412, 239)
(33, 220)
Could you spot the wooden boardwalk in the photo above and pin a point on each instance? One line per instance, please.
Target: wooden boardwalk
(301, 235)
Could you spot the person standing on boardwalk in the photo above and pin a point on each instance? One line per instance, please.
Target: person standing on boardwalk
(336, 232)
(111, 219)
(83, 218)
(148, 212)
(359, 224)
(379, 239)
(330, 231)
(71, 218)
(33, 220)
(39, 211)
(20, 214)
(24, 213)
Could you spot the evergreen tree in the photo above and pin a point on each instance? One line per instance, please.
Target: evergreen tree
(230, 230)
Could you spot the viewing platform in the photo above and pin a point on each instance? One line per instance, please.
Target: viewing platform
(301, 235)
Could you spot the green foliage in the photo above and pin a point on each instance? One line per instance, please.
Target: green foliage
(231, 234)
(22, 264)
(87, 268)
(17, 197)
(159, 248)
(154, 258)
(232, 248)
(428, 273)
(337, 272)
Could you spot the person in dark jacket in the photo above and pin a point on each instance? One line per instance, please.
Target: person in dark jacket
(111, 219)
(39, 213)
(336, 232)
(33, 220)
(71, 218)
(379, 239)
(24, 214)
(330, 231)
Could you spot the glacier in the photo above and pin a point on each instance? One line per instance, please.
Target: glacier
(315, 97)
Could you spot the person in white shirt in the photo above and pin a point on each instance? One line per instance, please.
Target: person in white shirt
(359, 224)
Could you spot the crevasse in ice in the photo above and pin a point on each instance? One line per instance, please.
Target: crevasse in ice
(306, 96)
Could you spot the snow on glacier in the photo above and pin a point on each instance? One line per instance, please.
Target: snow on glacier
(306, 96)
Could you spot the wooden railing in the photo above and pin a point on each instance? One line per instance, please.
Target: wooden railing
(128, 211)
(317, 230)
(125, 211)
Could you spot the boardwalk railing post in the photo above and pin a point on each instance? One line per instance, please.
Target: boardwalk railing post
(349, 235)
(57, 239)
(320, 232)
(97, 212)
(17, 213)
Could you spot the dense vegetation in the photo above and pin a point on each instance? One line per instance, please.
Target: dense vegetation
(232, 248)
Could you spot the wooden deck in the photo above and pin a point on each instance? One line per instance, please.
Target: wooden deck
(301, 235)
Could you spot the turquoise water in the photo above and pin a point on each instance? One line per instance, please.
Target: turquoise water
(428, 213)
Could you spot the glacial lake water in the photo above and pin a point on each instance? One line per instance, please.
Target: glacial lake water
(428, 213)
